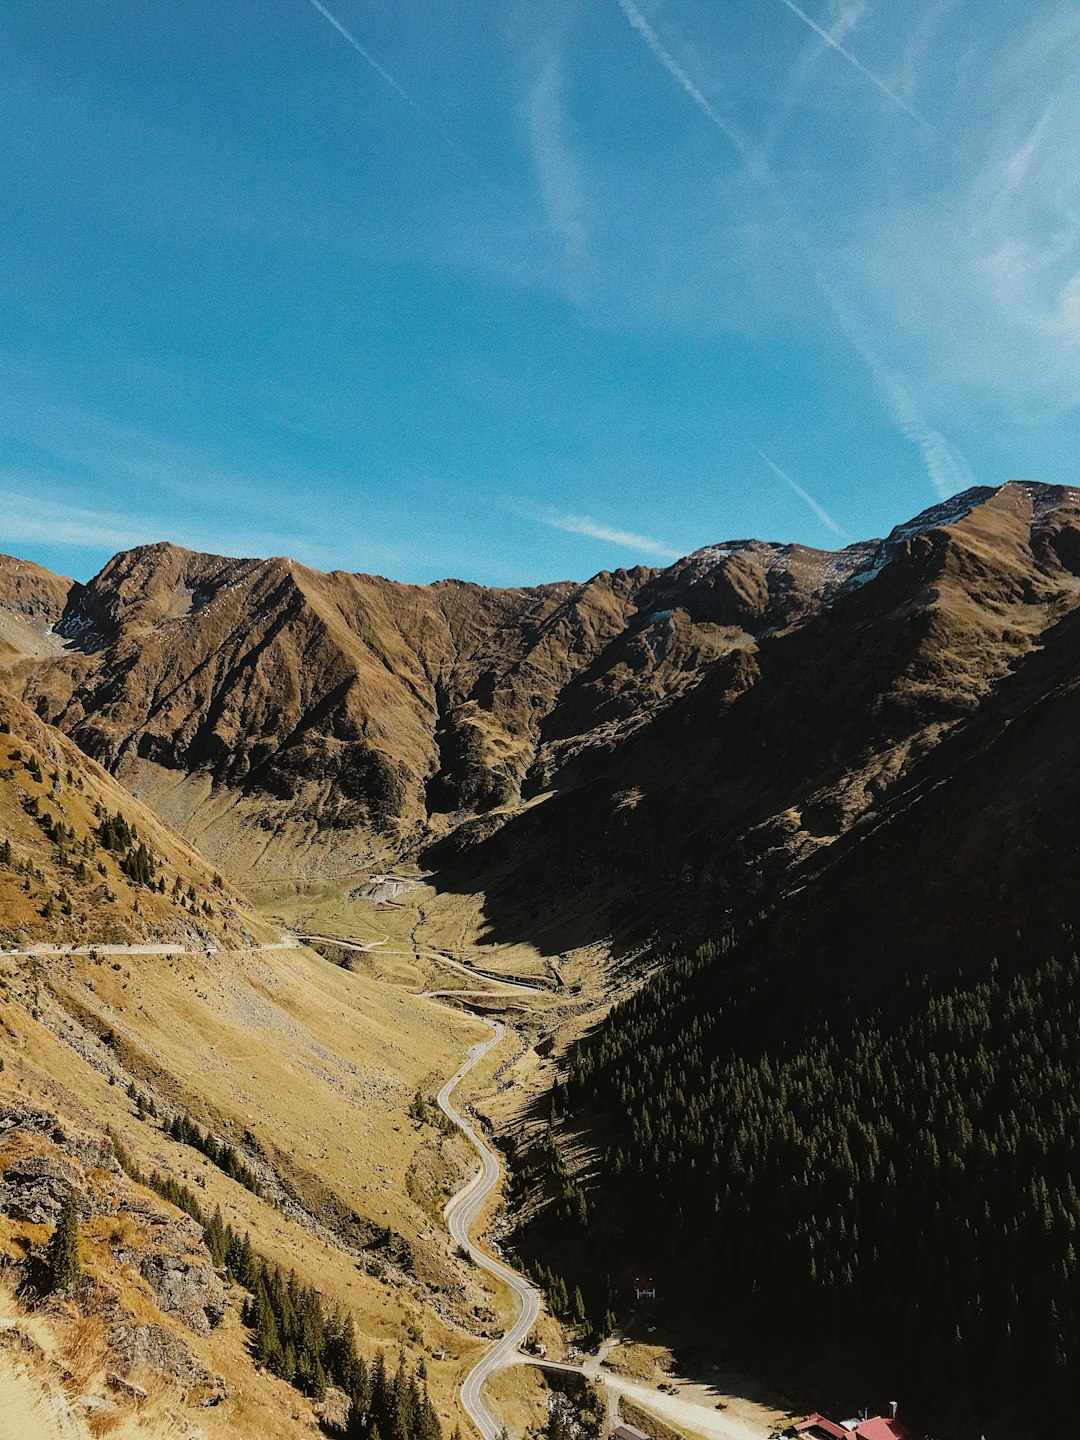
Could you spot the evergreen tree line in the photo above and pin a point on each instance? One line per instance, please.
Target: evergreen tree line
(568, 1304)
(907, 1178)
(137, 861)
(296, 1336)
(114, 833)
(218, 1152)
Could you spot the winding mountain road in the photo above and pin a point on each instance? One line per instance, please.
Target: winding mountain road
(461, 1213)
(464, 1209)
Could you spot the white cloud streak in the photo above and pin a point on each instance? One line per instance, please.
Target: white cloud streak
(562, 187)
(850, 16)
(946, 467)
(582, 525)
(855, 62)
(804, 495)
(367, 57)
(26, 519)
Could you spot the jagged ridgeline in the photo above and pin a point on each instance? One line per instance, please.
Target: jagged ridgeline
(897, 1159)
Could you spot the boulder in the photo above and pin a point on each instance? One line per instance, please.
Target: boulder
(152, 1347)
(186, 1286)
(33, 1188)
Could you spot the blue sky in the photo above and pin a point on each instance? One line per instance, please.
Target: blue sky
(519, 291)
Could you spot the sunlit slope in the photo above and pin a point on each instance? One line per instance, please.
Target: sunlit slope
(81, 861)
(309, 1075)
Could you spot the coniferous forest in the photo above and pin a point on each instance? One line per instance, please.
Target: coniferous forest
(891, 1181)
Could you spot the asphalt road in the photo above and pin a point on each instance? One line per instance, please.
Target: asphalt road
(376, 948)
(461, 1213)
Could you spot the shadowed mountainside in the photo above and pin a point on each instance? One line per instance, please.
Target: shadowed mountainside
(241, 695)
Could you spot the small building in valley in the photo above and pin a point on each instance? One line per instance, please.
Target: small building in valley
(627, 1432)
(645, 1288)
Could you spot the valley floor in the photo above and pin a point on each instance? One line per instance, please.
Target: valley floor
(697, 1409)
(312, 1065)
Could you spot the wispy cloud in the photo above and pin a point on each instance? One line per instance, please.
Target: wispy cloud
(582, 525)
(849, 15)
(562, 186)
(29, 519)
(978, 271)
(853, 60)
(804, 495)
(946, 467)
(920, 42)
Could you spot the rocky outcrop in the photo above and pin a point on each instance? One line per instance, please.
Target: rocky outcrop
(186, 1285)
(141, 1348)
(33, 1189)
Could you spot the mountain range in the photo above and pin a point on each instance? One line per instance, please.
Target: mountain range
(722, 728)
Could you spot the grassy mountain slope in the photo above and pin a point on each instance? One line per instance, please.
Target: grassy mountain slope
(70, 874)
(803, 742)
(256, 1075)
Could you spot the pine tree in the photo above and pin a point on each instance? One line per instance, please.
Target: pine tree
(63, 1262)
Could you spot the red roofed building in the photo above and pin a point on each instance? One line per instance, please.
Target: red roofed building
(817, 1427)
(881, 1429)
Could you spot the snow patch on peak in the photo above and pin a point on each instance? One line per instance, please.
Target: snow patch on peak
(869, 572)
(842, 565)
(947, 513)
(714, 554)
(1045, 499)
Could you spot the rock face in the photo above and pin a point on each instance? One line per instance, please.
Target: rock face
(34, 1187)
(186, 1285)
(717, 726)
(41, 1162)
(139, 1348)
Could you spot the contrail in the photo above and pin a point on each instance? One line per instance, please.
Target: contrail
(367, 57)
(807, 499)
(947, 468)
(675, 70)
(398, 89)
(842, 50)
